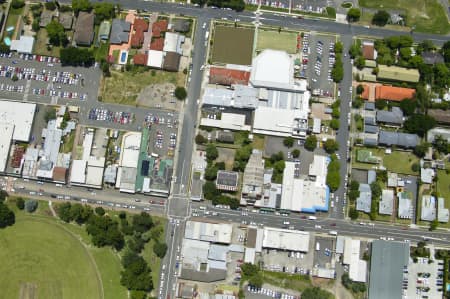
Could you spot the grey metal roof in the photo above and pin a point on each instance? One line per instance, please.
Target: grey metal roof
(386, 269)
(395, 116)
(241, 97)
(370, 129)
(120, 31)
(227, 178)
(432, 57)
(364, 201)
(400, 139)
(369, 120)
(370, 141)
(371, 176)
(369, 106)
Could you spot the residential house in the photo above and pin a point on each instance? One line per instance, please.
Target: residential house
(364, 201)
(171, 61)
(253, 180)
(46, 18)
(391, 118)
(368, 50)
(66, 19)
(388, 138)
(181, 25)
(227, 180)
(226, 76)
(84, 29)
(104, 30)
(120, 32)
(137, 38)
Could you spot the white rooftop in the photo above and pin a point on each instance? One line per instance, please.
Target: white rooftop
(155, 58)
(78, 172)
(131, 143)
(6, 133)
(211, 232)
(23, 45)
(172, 42)
(428, 211)
(357, 267)
(279, 122)
(21, 115)
(228, 121)
(272, 69)
(285, 239)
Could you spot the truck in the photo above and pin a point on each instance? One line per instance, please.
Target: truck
(312, 218)
(317, 246)
(206, 35)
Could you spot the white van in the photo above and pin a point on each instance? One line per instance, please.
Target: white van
(312, 218)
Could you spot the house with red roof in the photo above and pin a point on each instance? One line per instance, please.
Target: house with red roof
(225, 76)
(137, 38)
(157, 44)
(158, 27)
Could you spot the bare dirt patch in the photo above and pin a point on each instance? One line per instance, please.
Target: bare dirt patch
(28, 290)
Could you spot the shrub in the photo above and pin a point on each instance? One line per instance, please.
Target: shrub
(31, 205)
(20, 203)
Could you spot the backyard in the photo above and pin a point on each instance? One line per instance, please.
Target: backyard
(283, 41)
(45, 258)
(13, 17)
(232, 45)
(424, 15)
(40, 47)
(396, 161)
(124, 87)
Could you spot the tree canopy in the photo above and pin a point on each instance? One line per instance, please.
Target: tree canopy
(104, 11)
(288, 141)
(211, 152)
(76, 56)
(160, 249)
(180, 93)
(57, 36)
(419, 124)
(330, 146)
(311, 143)
(381, 18)
(136, 274)
(81, 5)
(353, 14)
(105, 232)
(7, 217)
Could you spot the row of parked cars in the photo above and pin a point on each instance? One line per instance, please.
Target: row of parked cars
(39, 58)
(111, 116)
(14, 88)
(270, 293)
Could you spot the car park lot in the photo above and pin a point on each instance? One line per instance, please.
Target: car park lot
(318, 59)
(44, 79)
(254, 292)
(163, 132)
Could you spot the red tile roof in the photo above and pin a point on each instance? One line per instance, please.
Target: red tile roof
(158, 27)
(226, 76)
(59, 174)
(366, 92)
(139, 26)
(368, 51)
(157, 44)
(392, 93)
(140, 59)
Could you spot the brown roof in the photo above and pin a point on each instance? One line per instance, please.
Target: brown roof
(157, 44)
(59, 174)
(365, 93)
(368, 51)
(158, 27)
(392, 93)
(441, 116)
(84, 29)
(251, 237)
(226, 76)
(171, 61)
(139, 26)
(140, 59)
(66, 19)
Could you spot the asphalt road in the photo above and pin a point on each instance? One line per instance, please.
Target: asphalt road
(343, 227)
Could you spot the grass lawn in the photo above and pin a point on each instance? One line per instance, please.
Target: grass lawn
(101, 52)
(68, 142)
(425, 15)
(153, 261)
(284, 41)
(443, 189)
(124, 87)
(63, 262)
(224, 49)
(397, 161)
(13, 17)
(43, 260)
(288, 281)
(40, 46)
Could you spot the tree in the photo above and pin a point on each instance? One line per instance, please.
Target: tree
(180, 93)
(380, 18)
(311, 143)
(359, 89)
(288, 142)
(142, 222)
(408, 106)
(211, 152)
(249, 269)
(211, 173)
(421, 149)
(138, 294)
(433, 225)
(63, 211)
(316, 293)
(337, 73)
(330, 146)
(353, 195)
(446, 51)
(81, 5)
(333, 180)
(16, 4)
(338, 47)
(376, 190)
(419, 124)
(105, 232)
(160, 249)
(20, 203)
(3, 195)
(353, 14)
(334, 124)
(200, 139)
(50, 5)
(353, 214)
(136, 244)
(76, 56)
(381, 104)
(210, 191)
(425, 46)
(56, 34)
(355, 49)
(354, 185)
(360, 62)
(415, 167)
(31, 205)
(100, 211)
(256, 280)
(104, 11)
(136, 274)
(441, 144)
(296, 153)
(7, 217)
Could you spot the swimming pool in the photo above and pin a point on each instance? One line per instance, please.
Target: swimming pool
(123, 57)
(7, 41)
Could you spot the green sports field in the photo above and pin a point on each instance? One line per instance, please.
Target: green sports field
(283, 41)
(41, 258)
